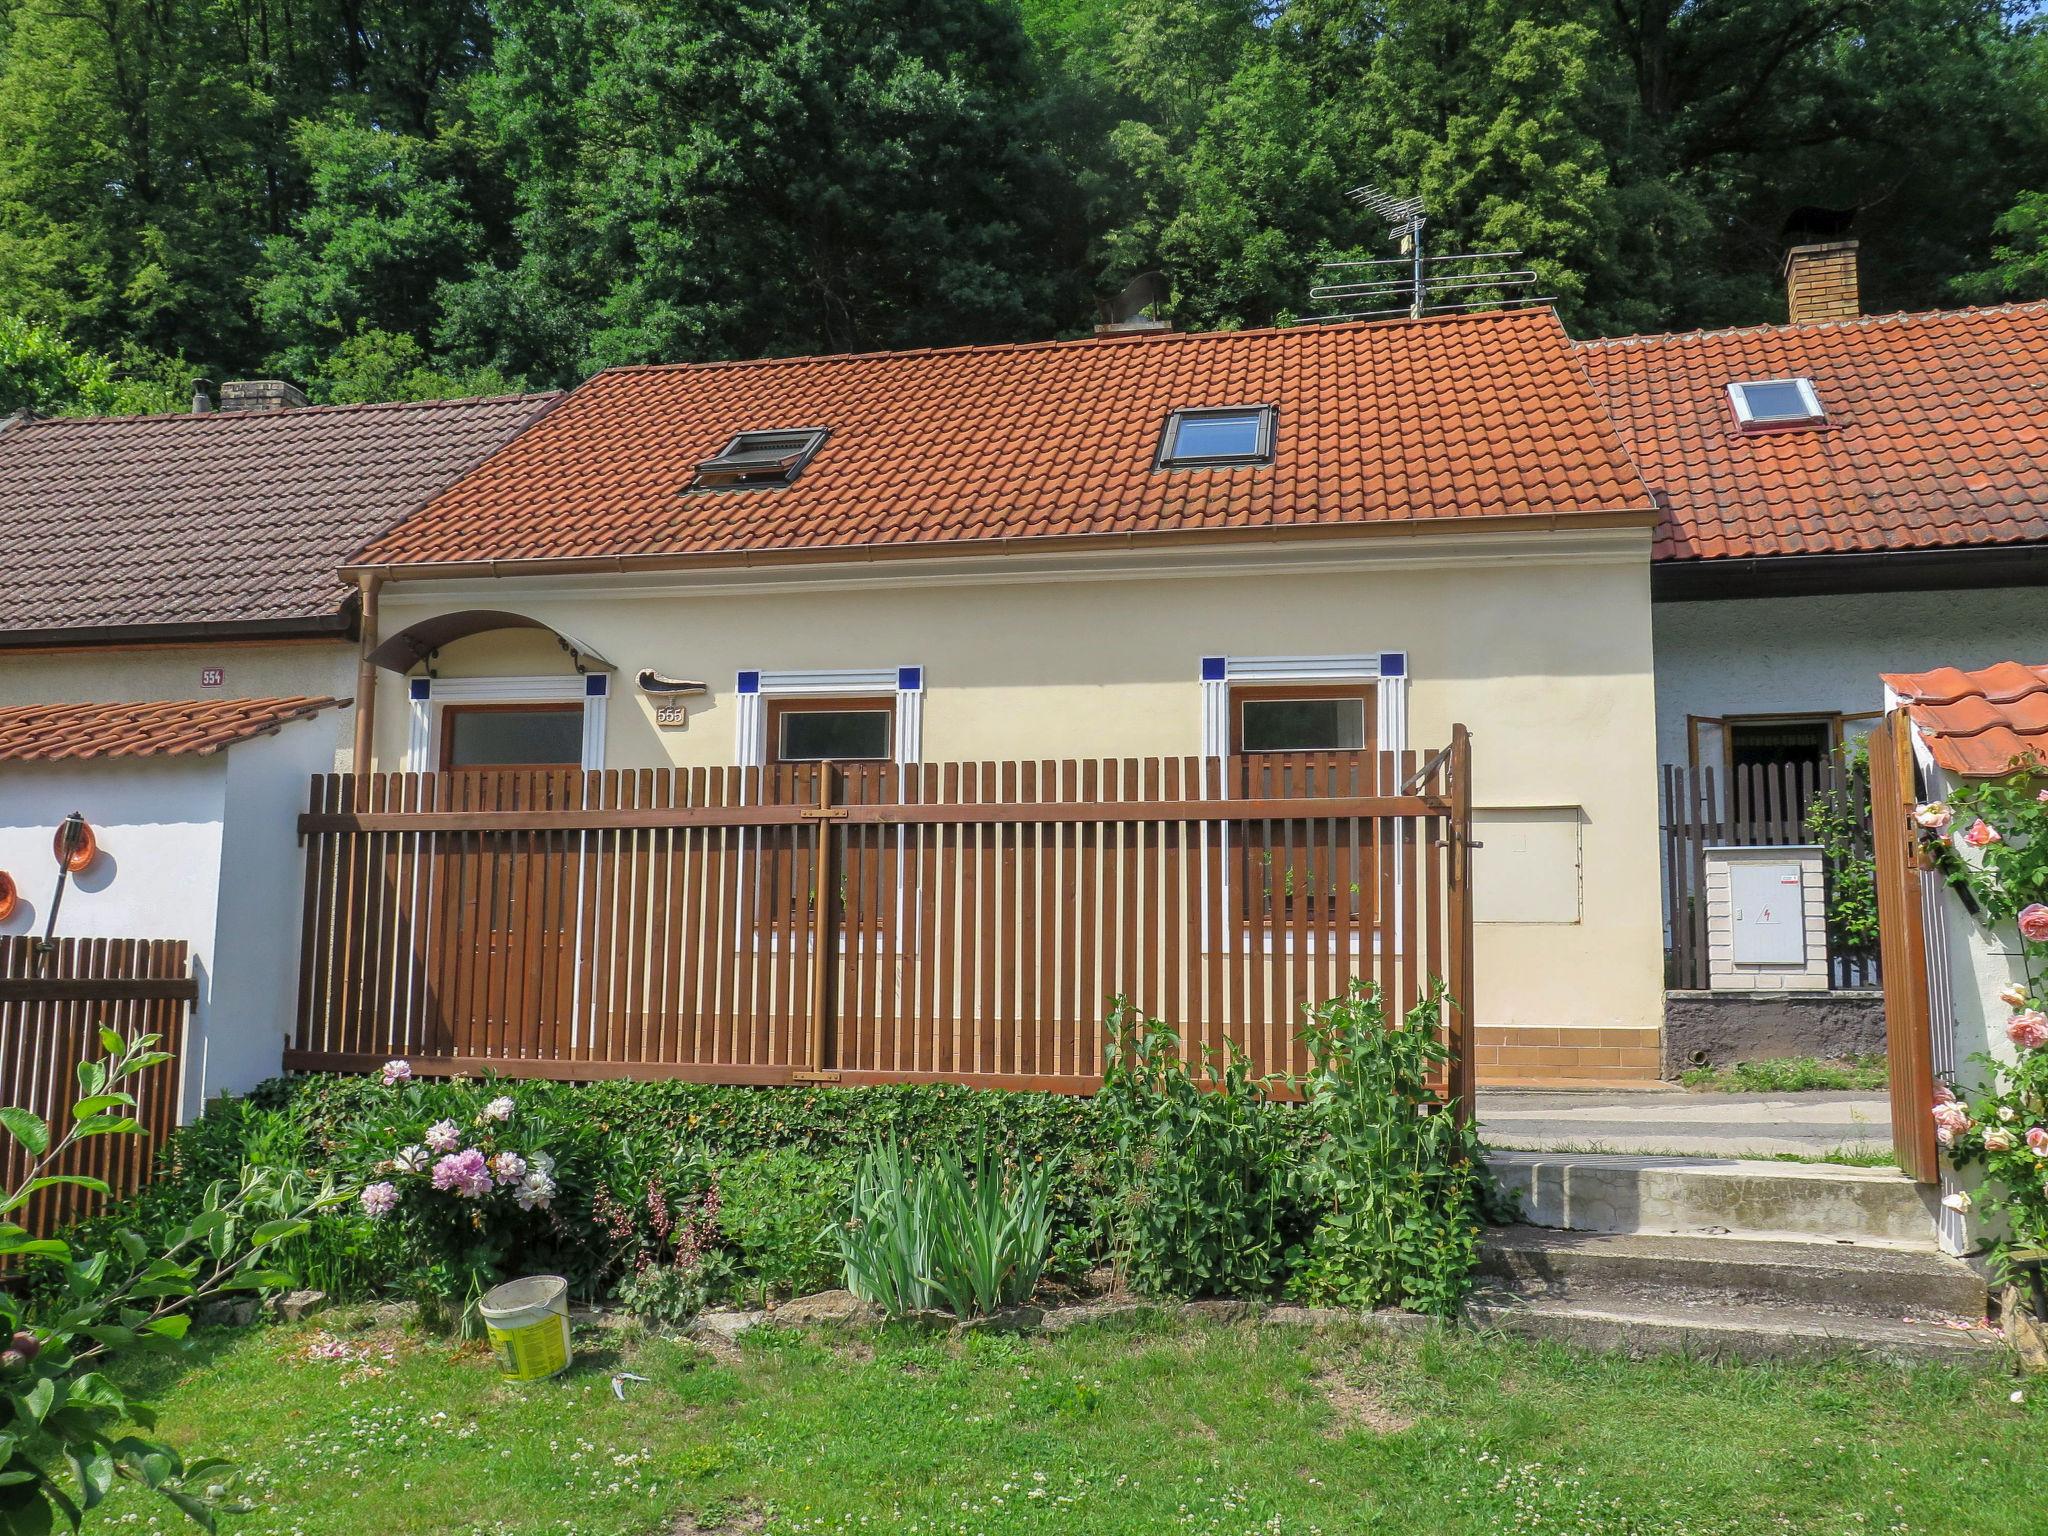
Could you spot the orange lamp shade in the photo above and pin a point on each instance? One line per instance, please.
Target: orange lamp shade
(84, 847)
(10, 897)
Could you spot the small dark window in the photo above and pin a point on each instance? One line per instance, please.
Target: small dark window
(757, 459)
(847, 731)
(1208, 438)
(511, 736)
(1772, 743)
(1776, 403)
(1302, 719)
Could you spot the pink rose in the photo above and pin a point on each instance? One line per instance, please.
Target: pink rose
(1982, 834)
(2034, 924)
(2037, 1140)
(1933, 816)
(1999, 1139)
(1954, 1116)
(2028, 1029)
(1943, 1094)
(2013, 995)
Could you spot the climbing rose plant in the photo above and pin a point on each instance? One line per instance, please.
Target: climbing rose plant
(1990, 839)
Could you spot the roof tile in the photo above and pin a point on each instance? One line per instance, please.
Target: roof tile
(1485, 415)
(55, 733)
(1982, 724)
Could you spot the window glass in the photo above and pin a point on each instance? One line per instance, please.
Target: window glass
(1303, 725)
(492, 738)
(1768, 743)
(1778, 400)
(838, 735)
(1207, 436)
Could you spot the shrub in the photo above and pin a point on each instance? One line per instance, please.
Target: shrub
(1396, 1184)
(776, 1213)
(1202, 1166)
(919, 1235)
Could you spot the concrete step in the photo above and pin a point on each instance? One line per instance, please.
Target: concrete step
(1885, 1282)
(1606, 1192)
(1621, 1322)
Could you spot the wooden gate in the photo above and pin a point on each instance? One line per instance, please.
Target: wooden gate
(948, 922)
(1905, 895)
(53, 1004)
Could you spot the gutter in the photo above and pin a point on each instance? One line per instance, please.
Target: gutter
(1896, 570)
(331, 626)
(1067, 543)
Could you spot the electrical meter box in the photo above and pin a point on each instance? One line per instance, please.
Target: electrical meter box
(1767, 913)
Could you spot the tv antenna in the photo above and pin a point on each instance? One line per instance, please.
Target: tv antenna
(1415, 283)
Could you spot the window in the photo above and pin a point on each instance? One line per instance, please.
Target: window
(1776, 403)
(831, 730)
(1209, 438)
(1770, 743)
(756, 459)
(1329, 717)
(511, 736)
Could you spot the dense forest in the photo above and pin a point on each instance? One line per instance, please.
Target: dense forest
(401, 198)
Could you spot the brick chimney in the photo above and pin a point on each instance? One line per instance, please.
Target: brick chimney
(259, 395)
(1820, 282)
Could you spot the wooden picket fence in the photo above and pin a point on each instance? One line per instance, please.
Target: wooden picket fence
(1751, 807)
(53, 1004)
(976, 920)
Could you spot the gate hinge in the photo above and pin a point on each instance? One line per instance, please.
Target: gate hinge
(814, 1077)
(836, 813)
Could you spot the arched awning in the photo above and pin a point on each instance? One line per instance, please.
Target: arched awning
(416, 642)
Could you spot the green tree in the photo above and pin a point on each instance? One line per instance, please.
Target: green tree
(2019, 255)
(42, 372)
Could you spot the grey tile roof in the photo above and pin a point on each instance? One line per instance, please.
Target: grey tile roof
(230, 518)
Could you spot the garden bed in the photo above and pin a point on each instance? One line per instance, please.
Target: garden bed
(1127, 1425)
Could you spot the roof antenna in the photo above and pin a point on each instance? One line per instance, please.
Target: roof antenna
(1418, 284)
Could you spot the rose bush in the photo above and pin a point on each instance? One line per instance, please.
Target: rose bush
(1999, 862)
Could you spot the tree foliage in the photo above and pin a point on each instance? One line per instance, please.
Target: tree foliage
(407, 195)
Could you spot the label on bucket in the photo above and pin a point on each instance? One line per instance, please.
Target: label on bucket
(531, 1352)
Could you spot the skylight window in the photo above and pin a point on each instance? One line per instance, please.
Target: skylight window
(1776, 403)
(1218, 437)
(756, 459)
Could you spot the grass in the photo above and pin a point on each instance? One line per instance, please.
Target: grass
(1115, 1430)
(1791, 1074)
(1854, 1154)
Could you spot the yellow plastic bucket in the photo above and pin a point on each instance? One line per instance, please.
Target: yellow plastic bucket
(528, 1321)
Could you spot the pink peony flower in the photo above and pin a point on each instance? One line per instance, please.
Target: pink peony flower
(396, 1072)
(536, 1189)
(2028, 1029)
(2034, 924)
(444, 1136)
(412, 1160)
(465, 1173)
(499, 1109)
(1999, 1139)
(2037, 1140)
(508, 1168)
(1934, 816)
(1981, 834)
(379, 1200)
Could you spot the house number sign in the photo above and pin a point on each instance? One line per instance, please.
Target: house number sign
(212, 677)
(671, 716)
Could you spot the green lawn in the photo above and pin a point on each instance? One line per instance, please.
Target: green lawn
(1139, 1428)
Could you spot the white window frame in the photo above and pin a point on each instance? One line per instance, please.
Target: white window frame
(1738, 396)
(853, 683)
(423, 737)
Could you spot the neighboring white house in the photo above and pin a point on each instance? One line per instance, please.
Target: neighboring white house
(193, 807)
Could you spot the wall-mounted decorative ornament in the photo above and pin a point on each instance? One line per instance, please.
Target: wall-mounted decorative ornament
(75, 845)
(10, 896)
(668, 694)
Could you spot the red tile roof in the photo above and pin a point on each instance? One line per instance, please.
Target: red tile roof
(1403, 422)
(1936, 434)
(1977, 723)
(234, 517)
(55, 733)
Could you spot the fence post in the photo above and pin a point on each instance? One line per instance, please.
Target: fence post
(824, 928)
(1458, 1028)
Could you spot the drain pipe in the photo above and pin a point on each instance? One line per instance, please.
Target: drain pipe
(366, 679)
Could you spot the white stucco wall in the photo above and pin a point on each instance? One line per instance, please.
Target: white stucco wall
(1786, 655)
(202, 849)
(280, 669)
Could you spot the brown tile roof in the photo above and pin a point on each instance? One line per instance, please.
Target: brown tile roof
(1977, 723)
(55, 733)
(227, 518)
(1936, 433)
(1401, 422)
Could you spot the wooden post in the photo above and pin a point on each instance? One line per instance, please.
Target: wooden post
(366, 680)
(1902, 936)
(1458, 1027)
(824, 927)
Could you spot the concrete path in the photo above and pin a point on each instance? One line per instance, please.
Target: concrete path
(1725, 1124)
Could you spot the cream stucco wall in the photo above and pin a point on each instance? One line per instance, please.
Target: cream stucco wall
(1540, 643)
(275, 669)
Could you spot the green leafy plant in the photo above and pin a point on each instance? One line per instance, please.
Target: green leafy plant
(1396, 1183)
(775, 1214)
(1202, 1168)
(63, 1439)
(1839, 822)
(934, 1234)
(1792, 1074)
